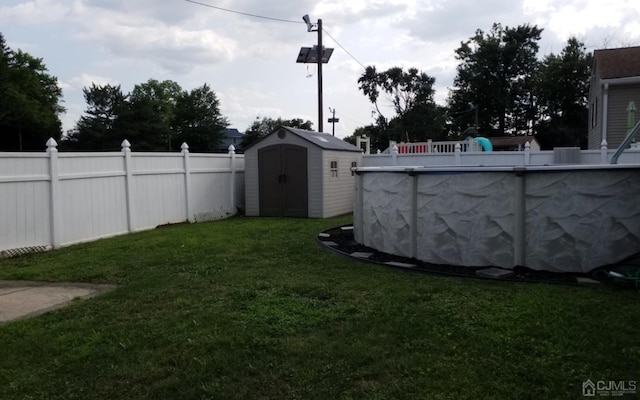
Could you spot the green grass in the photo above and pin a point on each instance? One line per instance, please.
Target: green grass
(251, 308)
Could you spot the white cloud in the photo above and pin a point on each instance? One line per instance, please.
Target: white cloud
(581, 18)
(34, 12)
(85, 80)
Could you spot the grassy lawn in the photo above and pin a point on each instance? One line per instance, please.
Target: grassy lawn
(252, 308)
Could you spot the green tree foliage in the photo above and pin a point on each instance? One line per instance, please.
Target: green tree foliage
(198, 121)
(378, 138)
(562, 91)
(4, 77)
(153, 103)
(98, 129)
(262, 127)
(416, 115)
(496, 73)
(155, 116)
(30, 101)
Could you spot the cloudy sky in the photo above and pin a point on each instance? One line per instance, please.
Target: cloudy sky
(250, 62)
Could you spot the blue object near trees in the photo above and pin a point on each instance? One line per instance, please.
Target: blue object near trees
(485, 143)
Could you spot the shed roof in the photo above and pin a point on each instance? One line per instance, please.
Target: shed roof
(617, 63)
(322, 140)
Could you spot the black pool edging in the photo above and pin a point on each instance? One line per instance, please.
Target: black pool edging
(346, 246)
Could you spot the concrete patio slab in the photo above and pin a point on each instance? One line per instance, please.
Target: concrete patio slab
(21, 299)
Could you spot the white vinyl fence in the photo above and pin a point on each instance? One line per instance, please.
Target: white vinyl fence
(501, 158)
(54, 199)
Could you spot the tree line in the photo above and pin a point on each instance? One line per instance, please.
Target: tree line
(155, 115)
(30, 101)
(500, 88)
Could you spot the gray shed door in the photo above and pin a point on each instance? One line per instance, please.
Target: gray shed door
(283, 181)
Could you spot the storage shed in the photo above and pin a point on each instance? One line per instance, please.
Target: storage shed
(298, 173)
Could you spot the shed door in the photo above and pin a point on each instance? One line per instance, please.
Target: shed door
(283, 181)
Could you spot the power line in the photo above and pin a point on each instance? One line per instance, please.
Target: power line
(342, 47)
(244, 13)
(275, 19)
(288, 21)
(350, 119)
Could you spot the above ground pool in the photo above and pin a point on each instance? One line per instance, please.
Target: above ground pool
(561, 218)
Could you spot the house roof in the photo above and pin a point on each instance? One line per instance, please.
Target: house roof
(233, 133)
(617, 63)
(322, 140)
(508, 141)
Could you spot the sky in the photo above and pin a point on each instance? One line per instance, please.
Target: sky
(250, 62)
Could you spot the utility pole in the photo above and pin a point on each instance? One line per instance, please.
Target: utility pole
(319, 56)
(333, 121)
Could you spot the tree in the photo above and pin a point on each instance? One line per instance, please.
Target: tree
(155, 116)
(198, 121)
(152, 113)
(410, 93)
(495, 74)
(262, 127)
(29, 101)
(562, 93)
(99, 128)
(378, 140)
(4, 77)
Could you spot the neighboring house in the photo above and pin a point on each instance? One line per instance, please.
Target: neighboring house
(614, 93)
(514, 143)
(232, 137)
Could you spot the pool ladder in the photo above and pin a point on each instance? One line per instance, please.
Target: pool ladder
(627, 141)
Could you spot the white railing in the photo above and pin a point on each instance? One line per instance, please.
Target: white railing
(433, 147)
(54, 199)
(495, 158)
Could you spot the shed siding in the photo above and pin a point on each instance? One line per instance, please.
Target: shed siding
(339, 191)
(619, 98)
(327, 196)
(314, 185)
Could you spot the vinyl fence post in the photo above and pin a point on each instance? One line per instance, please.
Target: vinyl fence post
(187, 182)
(603, 152)
(457, 154)
(527, 153)
(232, 178)
(128, 182)
(52, 150)
(394, 154)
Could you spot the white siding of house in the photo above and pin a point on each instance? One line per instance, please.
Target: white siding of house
(619, 98)
(339, 191)
(595, 105)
